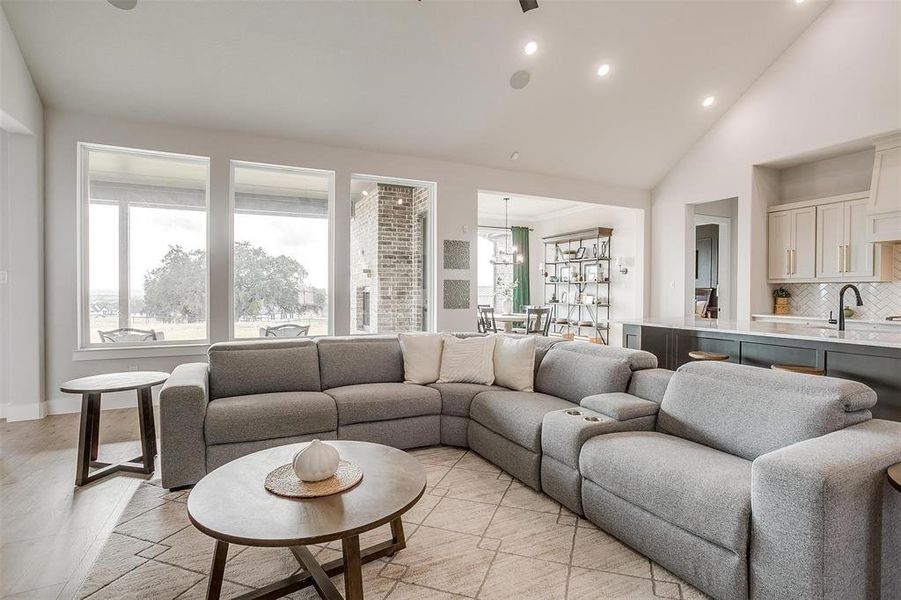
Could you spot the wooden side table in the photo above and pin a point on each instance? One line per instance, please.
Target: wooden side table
(91, 389)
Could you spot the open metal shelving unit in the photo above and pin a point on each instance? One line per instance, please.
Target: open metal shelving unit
(578, 289)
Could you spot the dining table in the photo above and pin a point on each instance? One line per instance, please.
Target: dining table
(508, 319)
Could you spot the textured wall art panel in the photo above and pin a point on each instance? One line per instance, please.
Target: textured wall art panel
(879, 299)
(456, 254)
(456, 293)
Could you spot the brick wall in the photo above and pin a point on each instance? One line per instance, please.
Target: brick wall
(387, 242)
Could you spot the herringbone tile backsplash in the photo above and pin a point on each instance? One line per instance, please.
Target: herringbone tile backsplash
(879, 299)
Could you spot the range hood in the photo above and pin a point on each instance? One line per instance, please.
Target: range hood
(884, 206)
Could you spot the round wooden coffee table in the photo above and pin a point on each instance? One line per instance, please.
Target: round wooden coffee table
(894, 476)
(232, 505)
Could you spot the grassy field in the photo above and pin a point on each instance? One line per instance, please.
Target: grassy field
(174, 332)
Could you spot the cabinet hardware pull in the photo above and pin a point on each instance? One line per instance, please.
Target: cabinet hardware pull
(847, 258)
(788, 262)
(840, 258)
(794, 261)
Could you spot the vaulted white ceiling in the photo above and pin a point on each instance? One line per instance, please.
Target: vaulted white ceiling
(427, 78)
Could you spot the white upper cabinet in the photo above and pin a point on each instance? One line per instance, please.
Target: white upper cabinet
(825, 240)
(792, 244)
(883, 214)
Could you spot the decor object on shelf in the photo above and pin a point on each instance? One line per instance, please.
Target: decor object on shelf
(781, 301)
(315, 462)
(580, 253)
(564, 274)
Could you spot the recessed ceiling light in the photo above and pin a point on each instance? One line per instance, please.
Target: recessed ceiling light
(365, 193)
(708, 101)
(603, 70)
(530, 48)
(124, 4)
(514, 156)
(799, 1)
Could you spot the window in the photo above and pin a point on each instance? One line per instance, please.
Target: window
(144, 263)
(390, 255)
(280, 263)
(493, 241)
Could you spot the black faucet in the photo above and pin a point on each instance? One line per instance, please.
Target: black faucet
(841, 304)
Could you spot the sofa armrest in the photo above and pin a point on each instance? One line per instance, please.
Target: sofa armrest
(650, 384)
(183, 402)
(825, 522)
(620, 406)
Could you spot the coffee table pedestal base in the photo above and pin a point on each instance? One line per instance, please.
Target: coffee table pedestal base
(315, 574)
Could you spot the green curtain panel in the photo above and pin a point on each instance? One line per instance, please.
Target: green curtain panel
(521, 270)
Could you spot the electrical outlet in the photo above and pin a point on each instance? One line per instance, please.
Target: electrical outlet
(134, 367)
(4, 277)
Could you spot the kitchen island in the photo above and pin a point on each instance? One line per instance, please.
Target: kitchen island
(871, 357)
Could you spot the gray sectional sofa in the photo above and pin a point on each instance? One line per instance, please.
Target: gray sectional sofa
(748, 483)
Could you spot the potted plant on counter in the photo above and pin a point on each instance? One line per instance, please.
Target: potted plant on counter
(505, 290)
(781, 301)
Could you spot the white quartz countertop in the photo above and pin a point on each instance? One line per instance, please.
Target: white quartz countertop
(823, 333)
(851, 323)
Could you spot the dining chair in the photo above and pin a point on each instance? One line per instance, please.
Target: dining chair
(538, 321)
(286, 330)
(480, 324)
(130, 334)
(486, 317)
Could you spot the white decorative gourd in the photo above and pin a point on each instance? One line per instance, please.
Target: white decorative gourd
(315, 462)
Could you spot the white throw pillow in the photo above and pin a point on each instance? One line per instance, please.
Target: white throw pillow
(514, 362)
(422, 356)
(469, 360)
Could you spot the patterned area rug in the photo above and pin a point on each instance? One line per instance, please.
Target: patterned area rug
(476, 533)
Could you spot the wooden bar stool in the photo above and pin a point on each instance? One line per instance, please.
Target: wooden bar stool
(703, 355)
(798, 369)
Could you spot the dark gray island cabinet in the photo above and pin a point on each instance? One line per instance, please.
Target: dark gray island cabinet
(877, 365)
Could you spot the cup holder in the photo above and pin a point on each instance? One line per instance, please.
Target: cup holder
(592, 419)
(574, 412)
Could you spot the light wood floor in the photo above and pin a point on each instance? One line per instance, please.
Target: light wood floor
(51, 531)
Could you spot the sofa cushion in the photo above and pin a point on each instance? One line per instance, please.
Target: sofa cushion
(575, 375)
(516, 416)
(637, 359)
(620, 406)
(467, 360)
(456, 397)
(749, 411)
(514, 362)
(422, 356)
(263, 366)
(699, 489)
(364, 359)
(368, 402)
(266, 416)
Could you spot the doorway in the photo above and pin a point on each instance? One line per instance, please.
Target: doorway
(714, 275)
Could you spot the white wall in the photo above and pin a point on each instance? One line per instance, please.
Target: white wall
(457, 186)
(840, 82)
(842, 174)
(21, 235)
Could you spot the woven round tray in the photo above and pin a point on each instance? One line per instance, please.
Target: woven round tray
(284, 482)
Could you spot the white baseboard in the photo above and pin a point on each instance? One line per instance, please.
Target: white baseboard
(23, 412)
(63, 405)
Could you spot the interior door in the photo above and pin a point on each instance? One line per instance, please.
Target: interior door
(804, 244)
(859, 261)
(831, 240)
(779, 244)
